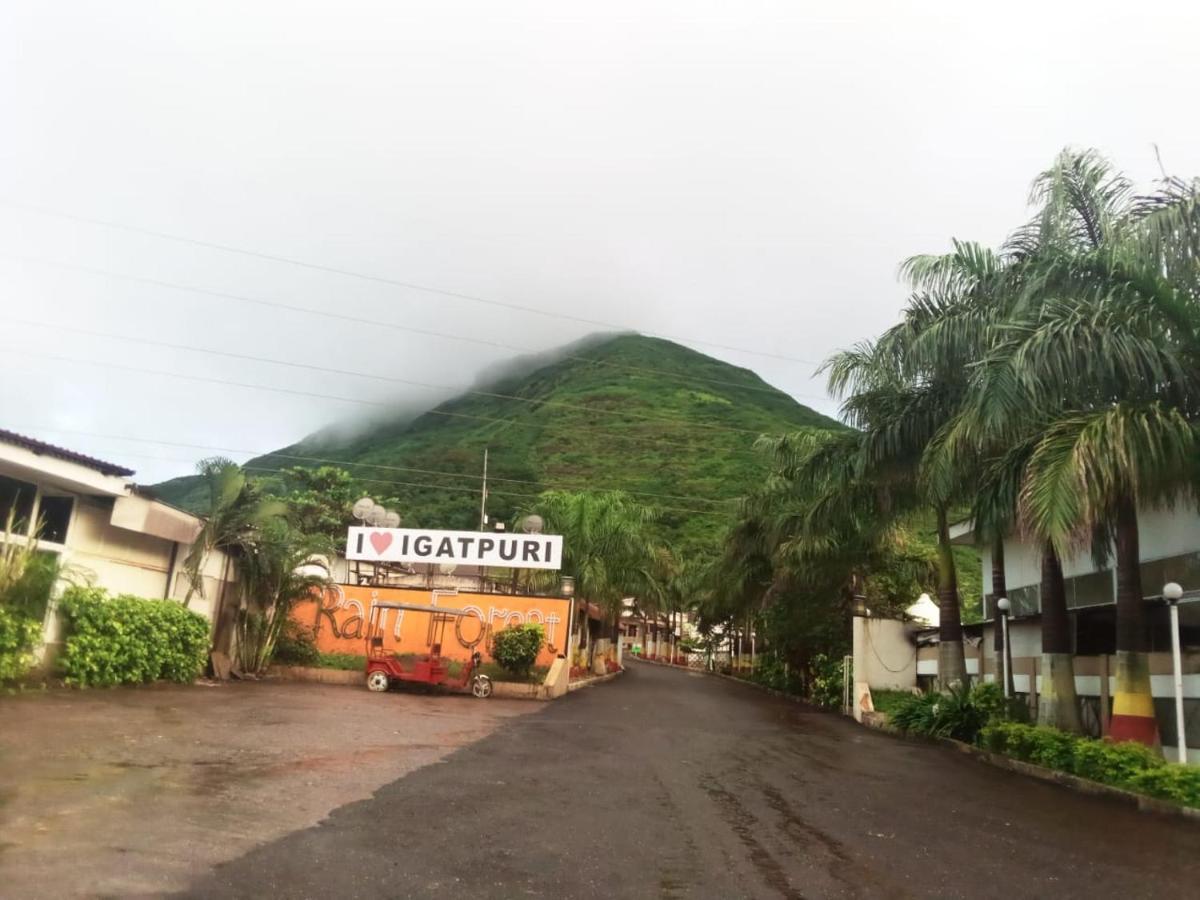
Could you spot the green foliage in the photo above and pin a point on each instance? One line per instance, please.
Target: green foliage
(888, 702)
(1128, 765)
(130, 640)
(773, 672)
(516, 648)
(959, 713)
(615, 412)
(347, 662)
(496, 672)
(295, 647)
(18, 634)
(825, 682)
(269, 566)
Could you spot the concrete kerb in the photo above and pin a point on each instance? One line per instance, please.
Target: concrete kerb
(511, 690)
(1064, 779)
(594, 680)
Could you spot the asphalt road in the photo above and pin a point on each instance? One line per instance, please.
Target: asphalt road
(666, 784)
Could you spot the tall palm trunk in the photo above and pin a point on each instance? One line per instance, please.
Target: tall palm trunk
(1057, 703)
(999, 589)
(1133, 704)
(952, 666)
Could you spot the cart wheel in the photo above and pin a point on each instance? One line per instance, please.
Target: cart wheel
(377, 680)
(481, 686)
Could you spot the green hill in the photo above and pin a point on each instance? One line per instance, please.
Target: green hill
(625, 412)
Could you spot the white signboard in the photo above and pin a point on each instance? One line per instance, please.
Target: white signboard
(460, 548)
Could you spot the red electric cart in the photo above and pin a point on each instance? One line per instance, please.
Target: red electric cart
(383, 668)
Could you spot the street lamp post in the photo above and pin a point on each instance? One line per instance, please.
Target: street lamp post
(1003, 606)
(1171, 593)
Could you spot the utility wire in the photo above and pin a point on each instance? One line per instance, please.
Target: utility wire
(376, 279)
(379, 323)
(436, 487)
(342, 462)
(421, 384)
(658, 442)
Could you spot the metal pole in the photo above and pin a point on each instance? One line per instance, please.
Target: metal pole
(1007, 657)
(483, 494)
(1177, 659)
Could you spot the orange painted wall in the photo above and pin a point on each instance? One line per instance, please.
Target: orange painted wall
(338, 621)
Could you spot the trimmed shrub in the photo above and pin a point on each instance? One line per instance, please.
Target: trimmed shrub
(516, 648)
(18, 634)
(130, 640)
(1126, 765)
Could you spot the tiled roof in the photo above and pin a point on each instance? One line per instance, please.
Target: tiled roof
(41, 447)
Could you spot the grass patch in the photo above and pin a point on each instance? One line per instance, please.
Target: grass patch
(347, 662)
(887, 701)
(496, 672)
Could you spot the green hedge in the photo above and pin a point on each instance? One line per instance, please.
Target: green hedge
(18, 634)
(130, 640)
(1126, 765)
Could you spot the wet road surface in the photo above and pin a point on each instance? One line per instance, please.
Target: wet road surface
(133, 792)
(667, 784)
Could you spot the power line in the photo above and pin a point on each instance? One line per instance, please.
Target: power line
(341, 462)
(379, 323)
(425, 485)
(20, 351)
(377, 279)
(332, 371)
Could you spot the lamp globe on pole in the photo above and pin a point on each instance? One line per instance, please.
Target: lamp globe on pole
(1171, 593)
(1004, 607)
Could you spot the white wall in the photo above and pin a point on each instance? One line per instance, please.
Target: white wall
(884, 657)
(1161, 533)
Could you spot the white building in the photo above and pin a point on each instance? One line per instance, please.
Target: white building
(1169, 542)
(90, 514)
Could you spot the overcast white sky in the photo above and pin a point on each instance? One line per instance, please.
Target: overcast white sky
(743, 173)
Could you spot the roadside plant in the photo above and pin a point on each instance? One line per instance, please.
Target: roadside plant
(280, 568)
(516, 648)
(130, 640)
(1129, 764)
(960, 713)
(295, 646)
(18, 634)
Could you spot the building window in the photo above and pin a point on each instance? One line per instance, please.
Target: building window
(16, 499)
(54, 517)
(1184, 570)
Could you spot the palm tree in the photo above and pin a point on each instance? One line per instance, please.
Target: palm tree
(902, 399)
(282, 567)
(1101, 349)
(608, 548)
(236, 513)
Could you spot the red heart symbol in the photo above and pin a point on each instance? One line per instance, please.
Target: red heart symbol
(380, 540)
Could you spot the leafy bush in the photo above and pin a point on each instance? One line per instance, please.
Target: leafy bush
(825, 682)
(516, 648)
(1174, 782)
(1126, 765)
(18, 634)
(960, 713)
(295, 647)
(130, 640)
(773, 673)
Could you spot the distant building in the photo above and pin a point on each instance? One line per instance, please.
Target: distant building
(1169, 542)
(90, 514)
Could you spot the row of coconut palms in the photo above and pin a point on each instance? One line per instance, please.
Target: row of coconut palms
(1050, 387)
